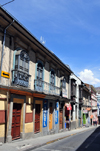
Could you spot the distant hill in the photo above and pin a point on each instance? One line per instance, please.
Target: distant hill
(97, 89)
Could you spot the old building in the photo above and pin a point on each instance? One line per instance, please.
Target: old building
(94, 117)
(84, 105)
(98, 106)
(75, 83)
(34, 84)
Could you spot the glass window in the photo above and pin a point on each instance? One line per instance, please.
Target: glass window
(23, 60)
(39, 71)
(64, 83)
(52, 78)
(16, 62)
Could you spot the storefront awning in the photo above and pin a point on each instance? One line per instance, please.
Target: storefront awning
(68, 106)
(91, 116)
(88, 109)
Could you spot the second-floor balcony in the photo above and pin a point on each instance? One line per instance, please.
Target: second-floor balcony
(42, 86)
(20, 78)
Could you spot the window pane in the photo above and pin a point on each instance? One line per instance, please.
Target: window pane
(21, 64)
(16, 60)
(39, 71)
(41, 74)
(26, 66)
(52, 78)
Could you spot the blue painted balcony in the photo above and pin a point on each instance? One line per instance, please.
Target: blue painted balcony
(47, 88)
(20, 78)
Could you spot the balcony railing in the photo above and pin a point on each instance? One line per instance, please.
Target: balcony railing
(45, 87)
(21, 78)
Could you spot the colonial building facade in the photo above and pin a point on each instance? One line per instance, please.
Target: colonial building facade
(39, 94)
(94, 116)
(34, 84)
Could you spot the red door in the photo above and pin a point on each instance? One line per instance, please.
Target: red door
(37, 118)
(60, 119)
(16, 121)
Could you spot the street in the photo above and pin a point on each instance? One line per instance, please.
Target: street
(88, 140)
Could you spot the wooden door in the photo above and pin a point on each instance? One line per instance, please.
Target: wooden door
(16, 121)
(61, 119)
(50, 116)
(37, 118)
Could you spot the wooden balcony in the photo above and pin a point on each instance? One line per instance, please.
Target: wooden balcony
(20, 78)
(47, 88)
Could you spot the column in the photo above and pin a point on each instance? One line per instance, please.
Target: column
(23, 133)
(9, 137)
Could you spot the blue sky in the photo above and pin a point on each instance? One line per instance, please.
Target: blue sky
(69, 28)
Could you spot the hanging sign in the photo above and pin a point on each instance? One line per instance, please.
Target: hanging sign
(5, 74)
(45, 111)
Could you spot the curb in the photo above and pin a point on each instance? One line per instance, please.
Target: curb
(55, 140)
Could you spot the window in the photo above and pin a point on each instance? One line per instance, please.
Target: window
(63, 83)
(39, 71)
(52, 78)
(39, 76)
(24, 62)
(21, 71)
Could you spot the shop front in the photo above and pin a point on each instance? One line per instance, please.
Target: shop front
(53, 106)
(68, 109)
(85, 117)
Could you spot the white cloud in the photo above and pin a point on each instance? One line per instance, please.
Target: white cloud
(87, 76)
(42, 40)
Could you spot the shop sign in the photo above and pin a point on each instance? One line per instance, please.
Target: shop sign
(85, 111)
(57, 105)
(45, 111)
(5, 74)
(56, 117)
(64, 93)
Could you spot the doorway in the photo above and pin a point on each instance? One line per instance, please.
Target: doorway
(16, 120)
(50, 115)
(61, 116)
(37, 118)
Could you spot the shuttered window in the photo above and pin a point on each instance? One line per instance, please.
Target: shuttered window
(22, 61)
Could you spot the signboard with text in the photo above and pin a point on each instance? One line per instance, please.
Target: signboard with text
(45, 111)
(56, 113)
(5, 74)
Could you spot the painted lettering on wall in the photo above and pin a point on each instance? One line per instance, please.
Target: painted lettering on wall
(56, 113)
(45, 113)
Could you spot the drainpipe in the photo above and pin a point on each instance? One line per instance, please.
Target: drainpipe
(3, 46)
(6, 116)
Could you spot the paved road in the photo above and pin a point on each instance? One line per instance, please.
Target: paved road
(88, 140)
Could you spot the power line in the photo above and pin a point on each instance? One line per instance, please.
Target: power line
(7, 3)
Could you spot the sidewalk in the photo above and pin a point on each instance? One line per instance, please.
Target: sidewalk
(22, 145)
